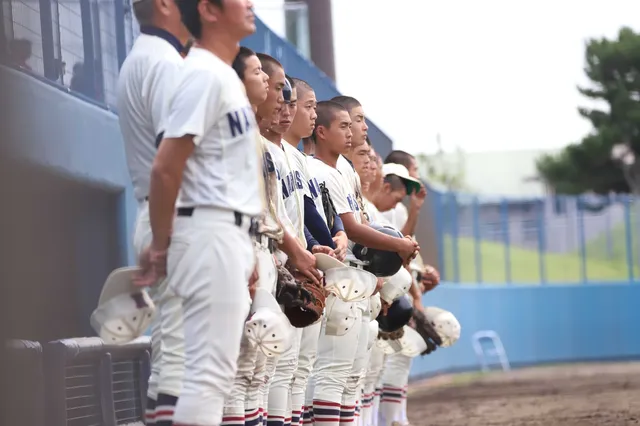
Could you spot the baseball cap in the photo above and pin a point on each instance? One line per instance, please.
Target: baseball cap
(412, 184)
(124, 311)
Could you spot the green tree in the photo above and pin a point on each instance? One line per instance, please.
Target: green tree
(613, 68)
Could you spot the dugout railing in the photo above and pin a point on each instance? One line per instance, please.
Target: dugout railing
(79, 382)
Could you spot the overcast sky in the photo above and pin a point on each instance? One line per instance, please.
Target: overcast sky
(486, 75)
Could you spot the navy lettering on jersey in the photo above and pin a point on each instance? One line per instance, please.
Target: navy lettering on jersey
(298, 179)
(353, 204)
(239, 122)
(314, 188)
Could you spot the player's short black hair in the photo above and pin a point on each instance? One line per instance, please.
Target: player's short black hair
(302, 86)
(326, 111)
(291, 81)
(348, 102)
(395, 182)
(143, 10)
(269, 63)
(191, 15)
(239, 64)
(399, 157)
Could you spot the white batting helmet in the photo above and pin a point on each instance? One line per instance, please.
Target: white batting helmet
(124, 311)
(340, 316)
(396, 286)
(267, 326)
(445, 323)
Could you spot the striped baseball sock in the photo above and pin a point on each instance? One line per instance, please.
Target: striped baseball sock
(164, 409)
(347, 415)
(150, 412)
(252, 417)
(232, 420)
(296, 416)
(367, 399)
(275, 420)
(265, 416)
(375, 406)
(391, 404)
(326, 413)
(357, 417)
(307, 415)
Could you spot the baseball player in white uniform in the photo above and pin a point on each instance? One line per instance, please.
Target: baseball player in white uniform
(206, 190)
(317, 225)
(242, 407)
(335, 377)
(395, 374)
(279, 409)
(146, 82)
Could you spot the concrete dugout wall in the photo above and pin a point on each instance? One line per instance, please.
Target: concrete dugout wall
(539, 324)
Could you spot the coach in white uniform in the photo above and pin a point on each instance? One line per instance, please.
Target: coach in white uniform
(145, 84)
(208, 167)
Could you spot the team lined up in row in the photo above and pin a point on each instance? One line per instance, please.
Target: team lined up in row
(226, 198)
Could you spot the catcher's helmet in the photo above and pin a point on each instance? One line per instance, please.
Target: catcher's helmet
(398, 315)
(380, 263)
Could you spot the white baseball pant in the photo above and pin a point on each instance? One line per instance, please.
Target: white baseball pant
(331, 371)
(395, 378)
(306, 359)
(279, 407)
(167, 337)
(243, 407)
(358, 369)
(374, 370)
(210, 260)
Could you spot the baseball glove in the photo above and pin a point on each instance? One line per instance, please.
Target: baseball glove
(427, 331)
(303, 301)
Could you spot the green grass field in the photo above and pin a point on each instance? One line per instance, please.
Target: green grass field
(525, 264)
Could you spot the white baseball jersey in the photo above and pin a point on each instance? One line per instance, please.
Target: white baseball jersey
(300, 166)
(397, 216)
(145, 85)
(292, 187)
(341, 191)
(281, 210)
(225, 169)
(374, 214)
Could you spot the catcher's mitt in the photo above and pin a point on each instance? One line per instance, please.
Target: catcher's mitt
(427, 331)
(303, 300)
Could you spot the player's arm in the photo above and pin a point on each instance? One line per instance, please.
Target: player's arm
(369, 237)
(316, 226)
(161, 86)
(364, 234)
(415, 204)
(190, 115)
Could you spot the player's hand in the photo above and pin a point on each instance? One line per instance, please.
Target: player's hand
(153, 267)
(410, 249)
(385, 308)
(430, 278)
(417, 198)
(342, 243)
(253, 281)
(379, 285)
(323, 249)
(305, 263)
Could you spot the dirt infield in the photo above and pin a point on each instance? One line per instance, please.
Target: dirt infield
(571, 395)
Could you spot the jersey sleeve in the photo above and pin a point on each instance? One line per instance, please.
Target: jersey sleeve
(195, 104)
(338, 194)
(161, 87)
